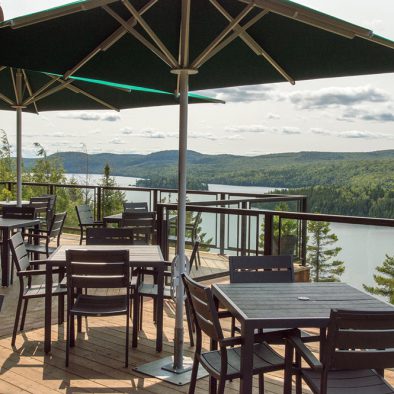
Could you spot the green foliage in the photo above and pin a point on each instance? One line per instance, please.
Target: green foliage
(112, 199)
(320, 253)
(384, 280)
(6, 165)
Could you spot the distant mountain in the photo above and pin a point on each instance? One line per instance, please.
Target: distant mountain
(298, 169)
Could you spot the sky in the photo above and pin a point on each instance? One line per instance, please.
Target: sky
(342, 114)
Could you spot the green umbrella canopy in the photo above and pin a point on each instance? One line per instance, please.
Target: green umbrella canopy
(282, 40)
(79, 93)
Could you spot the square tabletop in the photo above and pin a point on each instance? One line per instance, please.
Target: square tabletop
(287, 305)
(139, 254)
(10, 223)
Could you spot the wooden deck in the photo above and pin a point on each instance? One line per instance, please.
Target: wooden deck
(96, 362)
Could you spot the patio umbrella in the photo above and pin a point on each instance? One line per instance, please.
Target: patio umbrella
(30, 91)
(217, 43)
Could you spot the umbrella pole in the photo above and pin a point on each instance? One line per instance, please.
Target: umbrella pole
(19, 137)
(183, 118)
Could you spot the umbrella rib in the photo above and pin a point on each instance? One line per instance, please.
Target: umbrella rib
(39, 91)
(151, 33)
(2, 68)
(252, 44)
(7, 100)
(50, 91)
(76, 89)
(311, 17)
(29, 89)
(138, 36)
(234, 22)
(109, 41)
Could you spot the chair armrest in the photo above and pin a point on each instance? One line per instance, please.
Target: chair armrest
(31, 272)
(304, 352)
(42, 236)
(37, 262)
(224, 314)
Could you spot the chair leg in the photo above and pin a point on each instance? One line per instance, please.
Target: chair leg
(261, 383)
(22, 326)
(60, 309)
(141, 310)
(17, 315)
(127, 340)
(298, 375)
(68, 338)
(189, 322)
(212, 385)
(72, 331)
(193, 379)
(222, 384)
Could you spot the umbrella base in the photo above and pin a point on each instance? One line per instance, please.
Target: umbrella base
(164, 369)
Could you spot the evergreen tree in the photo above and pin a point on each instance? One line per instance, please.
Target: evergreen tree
(320, 253)
(112, 199)
(7, 172)
(385, 281)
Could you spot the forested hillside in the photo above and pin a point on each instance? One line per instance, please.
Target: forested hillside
(343, 183)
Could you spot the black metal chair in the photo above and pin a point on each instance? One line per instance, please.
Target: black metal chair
(359, 345)
(264, 269)
(86, 220)
(53, 233)
(96, 269)
(42, 205)
(150, 289)
(27, 291)
(191, 233)
(135, 207)
(109, 236)
(143, 225)
(223, 364)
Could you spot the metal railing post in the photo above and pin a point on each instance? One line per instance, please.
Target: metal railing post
(304, 230)
(99, 204)
(268, 233)
(222, 224)
(244, 223)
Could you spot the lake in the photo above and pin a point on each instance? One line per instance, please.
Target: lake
(363, 247)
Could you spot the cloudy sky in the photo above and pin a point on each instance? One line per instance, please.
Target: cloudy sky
(343, 114)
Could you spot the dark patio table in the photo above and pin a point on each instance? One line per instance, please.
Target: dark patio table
(116, 218)
(140, 256)
(6, 225)
(286, 305)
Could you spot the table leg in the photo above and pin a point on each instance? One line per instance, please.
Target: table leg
(159, 317)
(48, 308)
(5, 259)
(246, 383)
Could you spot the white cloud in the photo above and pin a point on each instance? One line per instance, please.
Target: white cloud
(337, 97)
(362, 134)
(318, 131)
(247, 129)
(90, 116)
(273, 116)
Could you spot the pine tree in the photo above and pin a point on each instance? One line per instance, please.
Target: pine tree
(384, 282)
(112, 199)
(321, 253)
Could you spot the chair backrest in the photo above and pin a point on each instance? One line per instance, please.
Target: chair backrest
(85, 214)
(25, 212)
(52, 206)
(203, 308)
(359, 340)
(143, 223)
(261, 269)
(109, 236)
(97, 269)
(56, 227)
(135, 207)
(194, 253)
(18, 251)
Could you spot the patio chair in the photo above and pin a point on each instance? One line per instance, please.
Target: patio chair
(191, 233)
(53, 233)
(135, 207)
(149, 289)
(86, 220)
(264, 269)
(359, 345)
(13, 212)
(42, 205)
(223, 364)
(109, 236)
(27, 291)
(143, 225)
(98, 269)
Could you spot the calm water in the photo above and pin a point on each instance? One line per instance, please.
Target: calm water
(363, 247)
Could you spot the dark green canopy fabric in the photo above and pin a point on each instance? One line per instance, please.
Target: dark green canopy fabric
(81, 94)
(287, 33)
